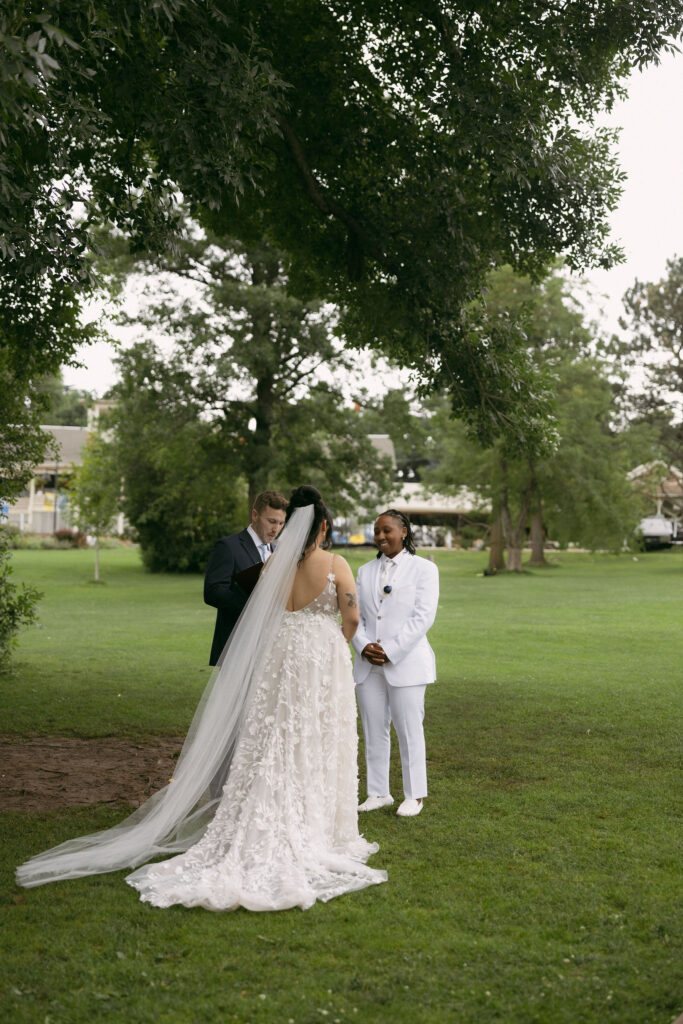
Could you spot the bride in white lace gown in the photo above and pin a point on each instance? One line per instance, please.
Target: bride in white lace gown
(284, 830)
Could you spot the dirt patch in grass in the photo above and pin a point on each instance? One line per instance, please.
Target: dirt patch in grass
(43, 773)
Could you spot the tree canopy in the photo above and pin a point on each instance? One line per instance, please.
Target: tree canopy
(65, 406)
(244, 398)
(182, 488)
(654, 344)
(393, 152)
(579, 492)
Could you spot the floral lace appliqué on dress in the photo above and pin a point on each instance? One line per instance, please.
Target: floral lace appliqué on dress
(285, 833)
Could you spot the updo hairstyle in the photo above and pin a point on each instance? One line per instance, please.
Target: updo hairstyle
(309, 495)
(408, 540)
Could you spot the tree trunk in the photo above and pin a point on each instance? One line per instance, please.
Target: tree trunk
(514, 533)
(97, 559)
(264, 273)
(538, 536)
(514, 559)
(537, 528)
(513, 540)
(496, 546)
(260, 454)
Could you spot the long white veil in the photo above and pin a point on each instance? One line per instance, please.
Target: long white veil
(175, 817)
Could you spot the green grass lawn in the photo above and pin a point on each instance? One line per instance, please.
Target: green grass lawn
(541, 885)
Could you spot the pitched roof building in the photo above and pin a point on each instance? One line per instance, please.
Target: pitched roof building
(43, 507)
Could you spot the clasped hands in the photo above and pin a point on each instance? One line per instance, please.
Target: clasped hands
(375, 654)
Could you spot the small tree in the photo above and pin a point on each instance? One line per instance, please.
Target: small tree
(95, 492)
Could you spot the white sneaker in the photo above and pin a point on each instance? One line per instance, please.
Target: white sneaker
(409, 808)
(373, 803)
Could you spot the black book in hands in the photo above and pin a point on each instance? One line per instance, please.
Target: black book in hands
(248, 578)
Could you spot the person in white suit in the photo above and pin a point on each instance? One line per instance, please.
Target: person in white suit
(398, 594)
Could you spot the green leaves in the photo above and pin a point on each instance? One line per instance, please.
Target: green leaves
(247, 393)
(17, 605)
(395, 153)
(181, 479)
(95, 488)
(564, 446)
(655, 312)
(654, 345)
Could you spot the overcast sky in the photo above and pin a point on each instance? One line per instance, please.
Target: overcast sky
(648, 222)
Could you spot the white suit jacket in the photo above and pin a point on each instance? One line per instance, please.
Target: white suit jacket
(398, 621)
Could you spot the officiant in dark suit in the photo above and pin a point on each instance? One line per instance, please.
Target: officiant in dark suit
(231, 555)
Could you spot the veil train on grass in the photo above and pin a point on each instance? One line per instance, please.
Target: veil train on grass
(175, 817)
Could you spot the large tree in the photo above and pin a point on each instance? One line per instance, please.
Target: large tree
(250, 376)
(577, 492)
(65, 406)
(586, 495)
(653, 343)
(182, 486)
(395, 152)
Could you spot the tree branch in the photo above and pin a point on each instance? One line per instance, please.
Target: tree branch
(444, 25)
(302, 376)
(328, 206)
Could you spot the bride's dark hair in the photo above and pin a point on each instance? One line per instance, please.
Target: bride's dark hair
(309, 495)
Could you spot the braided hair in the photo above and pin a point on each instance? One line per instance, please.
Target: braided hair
(408, 540)
(309, 495)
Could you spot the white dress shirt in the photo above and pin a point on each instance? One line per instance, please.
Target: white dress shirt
(387, 570)
(264, 550)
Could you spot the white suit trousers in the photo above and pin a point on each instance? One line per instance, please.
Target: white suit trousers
(381, 704)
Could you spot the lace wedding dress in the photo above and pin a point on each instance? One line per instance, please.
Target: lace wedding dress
(285, 832)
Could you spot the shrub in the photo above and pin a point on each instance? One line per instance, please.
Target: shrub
(17, 604)
(71, 538)
(13, 536)
(18, 541)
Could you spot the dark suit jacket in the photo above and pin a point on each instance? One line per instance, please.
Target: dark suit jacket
(229, 555)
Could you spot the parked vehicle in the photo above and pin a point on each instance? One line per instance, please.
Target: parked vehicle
(659, 532)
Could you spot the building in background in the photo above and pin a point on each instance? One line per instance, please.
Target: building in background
(437, 518)
(662, 486)
(43, 507)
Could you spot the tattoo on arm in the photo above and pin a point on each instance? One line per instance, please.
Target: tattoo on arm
(352, 602)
